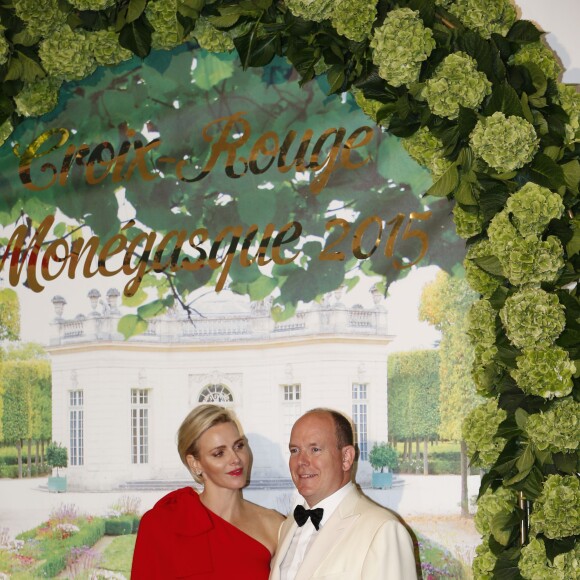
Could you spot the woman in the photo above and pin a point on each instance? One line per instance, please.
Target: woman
(217, 533)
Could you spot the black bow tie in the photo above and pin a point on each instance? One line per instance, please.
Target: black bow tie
(301, 515)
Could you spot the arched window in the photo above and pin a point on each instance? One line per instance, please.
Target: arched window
(216, 394)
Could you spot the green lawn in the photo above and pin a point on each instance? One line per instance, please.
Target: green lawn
(118, 554)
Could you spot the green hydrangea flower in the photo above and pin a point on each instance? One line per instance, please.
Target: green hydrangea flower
(545, 372)
(569, 99)
(42, 17)
(456, 83)
(467, 224)
(533, 318)
(427, 150)
(558, 429)
(541, 55)
(480, 280)
(490, 505)
(484, 355)
(91, 4)
(481, 319)
(504, 143)
(162, 15)
(485, 16)
(38, 97)
(401, 45)
(569, 563)
(533, 207)
(485, 377)
(210, 38)
(67, 54)
(4, 48)
(501, 233)
(315, 10)
(479, 432)
(106, 49)
(354, 18)
(556, 512)
(530, 261)
(484, 562)
(534, 564)
(5, 131)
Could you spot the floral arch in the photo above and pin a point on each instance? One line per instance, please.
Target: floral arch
(474, 94)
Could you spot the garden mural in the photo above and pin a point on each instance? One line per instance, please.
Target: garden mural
(286, 150)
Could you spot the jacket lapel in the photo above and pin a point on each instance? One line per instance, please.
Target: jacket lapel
(284, 540)
(336, 527)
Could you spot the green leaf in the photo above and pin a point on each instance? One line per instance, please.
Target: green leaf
(130, 325)
(539, 81)
(501, 526)
(151, 309)
(59, 230)
(486, 56)
(521, 418)
(526, 459)
(533, 484)
(546, 172)
(224, 20)
(23, 67)
(566, 462)
(489, 264)
(445, 184)
(464, 193)
(211, 71)
(256, 51)
(572, 175)
(136, 37)
(504, 99)
(262, 287)
(507, 569)
(524, 32)
(376, 88)
(136, 300)
(135, 9)
(573, 246)
(336, 78)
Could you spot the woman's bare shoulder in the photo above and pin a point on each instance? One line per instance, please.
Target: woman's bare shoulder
(274, 517)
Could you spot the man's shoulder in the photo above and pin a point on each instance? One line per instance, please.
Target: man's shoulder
(370, 510)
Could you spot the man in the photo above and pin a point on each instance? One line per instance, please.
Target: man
(345, 536)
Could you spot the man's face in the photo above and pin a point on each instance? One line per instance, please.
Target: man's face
(318, 467)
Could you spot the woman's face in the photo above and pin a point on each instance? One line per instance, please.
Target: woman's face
(223, 457)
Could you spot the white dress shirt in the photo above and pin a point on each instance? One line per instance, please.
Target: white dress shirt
(304, 536)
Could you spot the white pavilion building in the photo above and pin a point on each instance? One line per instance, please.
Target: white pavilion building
(117, 404)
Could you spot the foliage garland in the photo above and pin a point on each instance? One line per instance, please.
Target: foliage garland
(497, 127)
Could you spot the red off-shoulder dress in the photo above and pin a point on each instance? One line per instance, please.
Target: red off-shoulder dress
(180, 538)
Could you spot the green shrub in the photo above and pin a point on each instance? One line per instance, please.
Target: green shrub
(136, 520)
(9, 471)
(119, 526)
(383, 455)
(56, 456)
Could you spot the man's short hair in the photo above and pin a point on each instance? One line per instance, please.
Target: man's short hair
(342, 425)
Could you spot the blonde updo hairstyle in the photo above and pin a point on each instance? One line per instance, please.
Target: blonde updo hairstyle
(197, 422)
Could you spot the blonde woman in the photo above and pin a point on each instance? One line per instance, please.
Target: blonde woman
(216, 533)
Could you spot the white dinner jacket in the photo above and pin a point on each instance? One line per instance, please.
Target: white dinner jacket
(360, 541)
